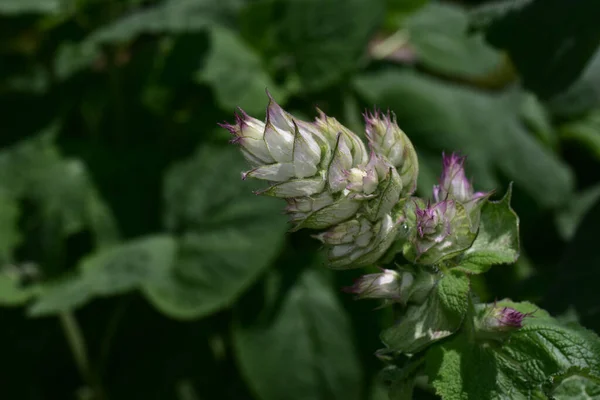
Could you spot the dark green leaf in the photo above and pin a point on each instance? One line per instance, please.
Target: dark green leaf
(232, 235)
(438, 33)
(236, 74)
(552, 56)
(577, 388)
(325, 39)
(585, 131)
(306, 344)
(116, 270)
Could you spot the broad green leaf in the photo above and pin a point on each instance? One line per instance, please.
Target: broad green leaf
(439, 36)
(230, 237)
(113, 271)
(325, 39)
(304, 340)
(487, 127)
(577, 388)
(585, 131)
(438, 317)
(548, 60)
(537, 118)
(236, 74)
(497, 241)
(518, 368)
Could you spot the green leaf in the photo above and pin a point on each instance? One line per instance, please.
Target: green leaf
(117, 270)
(518, 368)
(168, 17)
(325, 39)
(485, 126)
(303, 338)
(236, 74)
(12, 293)
(537, 118)
(497, 241)
(438, 317)
(231, 236)
(439, 36)
(577, 388)
(548, 59)
(61, 189)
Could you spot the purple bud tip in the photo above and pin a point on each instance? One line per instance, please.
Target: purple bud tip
(425, 218)
(453, 159)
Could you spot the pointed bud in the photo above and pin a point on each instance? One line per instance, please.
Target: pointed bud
(248, 132)
(385, 285)
(455, 185)
(359, 242)
(495, 322)
(387, 139)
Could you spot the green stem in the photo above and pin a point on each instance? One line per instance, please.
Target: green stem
(78, 347)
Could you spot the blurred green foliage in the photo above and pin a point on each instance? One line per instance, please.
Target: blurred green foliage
(121, 202)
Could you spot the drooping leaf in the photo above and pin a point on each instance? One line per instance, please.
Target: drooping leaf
(113, 271)
(448, 117)
(518, 368)
(497, 241)
(230, 235)
(304, 340)
(440, 38)
(438, 317)
(236, 74)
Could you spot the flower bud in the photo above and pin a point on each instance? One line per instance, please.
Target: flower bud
(359, 242)
(455, 185)
(387, 139)
(440, 231)
(494, 321)
(384, 285)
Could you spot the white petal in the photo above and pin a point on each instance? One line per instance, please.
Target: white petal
(280, 143)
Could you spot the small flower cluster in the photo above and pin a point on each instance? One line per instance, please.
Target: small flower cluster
(330, 180)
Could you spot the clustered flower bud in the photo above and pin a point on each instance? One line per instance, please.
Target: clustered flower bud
(449, 225)
(329, 179)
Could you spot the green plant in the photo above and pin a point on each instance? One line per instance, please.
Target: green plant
(431, 249)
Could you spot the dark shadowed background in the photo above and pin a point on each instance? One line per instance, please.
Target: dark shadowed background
(135, 263)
